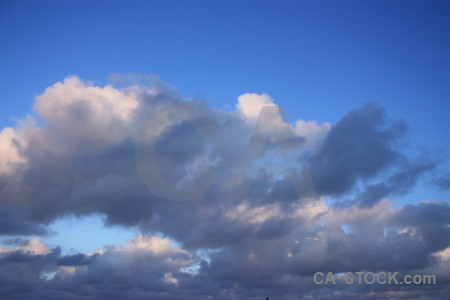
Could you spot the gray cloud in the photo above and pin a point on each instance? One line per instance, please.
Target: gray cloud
(398, 183)
(266, 232)
(12, 222)
(357, 147)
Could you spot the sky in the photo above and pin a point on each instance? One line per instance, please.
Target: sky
(223, 149)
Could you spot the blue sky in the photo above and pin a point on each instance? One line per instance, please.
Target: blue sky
(305, 54)
(317, 60)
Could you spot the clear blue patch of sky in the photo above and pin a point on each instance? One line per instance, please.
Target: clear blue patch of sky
(86, 234)
(74, 235)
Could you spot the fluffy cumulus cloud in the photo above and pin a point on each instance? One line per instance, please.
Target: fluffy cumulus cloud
(229, 205)
(249, 105)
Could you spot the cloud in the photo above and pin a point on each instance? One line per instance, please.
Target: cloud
(31, 247)
(359, 146)
(68, 108)
(398, 183)
(10, 155)
(250, 104)
(145, 263)
(254, 224)
(13, 222)
(313, 134)
(380, 239)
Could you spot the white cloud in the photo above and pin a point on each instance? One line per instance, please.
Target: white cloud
(31, 247)
(311, 210)
(249, 105)
(35, 247)
(253, 215)
(156, 245)
(11, 141)
(9, 154)
(168, 278)
(379, 213)
(444, 254)
(82, 113)
(313, 133)
(151, 256)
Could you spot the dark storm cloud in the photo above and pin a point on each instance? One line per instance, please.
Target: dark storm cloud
(432, 220)
(428, 213)
(18, 257)
(79, 259)
(398, 183)
(358, 147)
(12, 222)
(279, 266)
(141, 269)
(286, 264)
